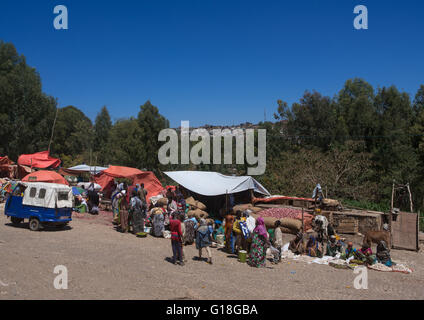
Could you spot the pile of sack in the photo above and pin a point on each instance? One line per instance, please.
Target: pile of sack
(244, 207)
(196, 209)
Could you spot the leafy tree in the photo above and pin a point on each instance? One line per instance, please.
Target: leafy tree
(102, 127)
(150, 123)
(26, 113)
(124, 147)
(357, 114)
(73, 133)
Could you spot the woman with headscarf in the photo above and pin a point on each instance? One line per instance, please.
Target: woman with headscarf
(333, 247)
(383, 254)
(158, 220)
(260, 243)
(365, 254)
(296, 245)
(229, 222)
(348, 252)
(123, 213)
(203, 239)
(313, 247)
(137, 218)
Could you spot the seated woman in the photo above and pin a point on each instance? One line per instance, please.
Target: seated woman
(348, 252)
(365, 254)
(333, 247)
(383, 254)
(296, 245)
(313, 247)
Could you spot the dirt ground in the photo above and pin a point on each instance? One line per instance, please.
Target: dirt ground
(105, 264)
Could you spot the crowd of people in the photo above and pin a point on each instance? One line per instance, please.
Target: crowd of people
(239, 232)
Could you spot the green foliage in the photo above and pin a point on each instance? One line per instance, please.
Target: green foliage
(366, 205)
(102, 127)
(26, 113)
(150, 123)
(73, 133)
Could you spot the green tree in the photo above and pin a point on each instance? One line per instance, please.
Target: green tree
(125, 145)
(151, 122)
(73, 133)
(357, 115)
(102, 128)
(26, 113)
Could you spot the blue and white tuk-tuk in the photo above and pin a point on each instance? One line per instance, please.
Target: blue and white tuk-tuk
(44, 204)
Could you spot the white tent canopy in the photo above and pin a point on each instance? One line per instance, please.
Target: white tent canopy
(85, 168)
(214, 184)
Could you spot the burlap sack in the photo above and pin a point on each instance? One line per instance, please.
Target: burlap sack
(191, 202)
(270, 222)
(255, 209)
(194, 204)
(292, 224)
(198, 214)
(200, 206)
(242, 207)
(287, 230)
(162, 202)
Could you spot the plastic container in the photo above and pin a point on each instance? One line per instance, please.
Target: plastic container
(147, 229)
(220, 239)
(242, 256)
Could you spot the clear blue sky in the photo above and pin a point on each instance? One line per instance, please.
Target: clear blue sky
(215, 62)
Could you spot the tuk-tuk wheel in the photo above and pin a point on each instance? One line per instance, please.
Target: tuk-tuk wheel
(16, 220)
(34, 224)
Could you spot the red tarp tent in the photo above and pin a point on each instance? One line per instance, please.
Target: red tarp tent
(45, 176)
(41, 160)
(151, 183)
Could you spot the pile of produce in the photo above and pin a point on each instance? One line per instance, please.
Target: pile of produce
(287, 215)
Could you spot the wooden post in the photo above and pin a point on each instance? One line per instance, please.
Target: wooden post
(410, 199)
(303, 227)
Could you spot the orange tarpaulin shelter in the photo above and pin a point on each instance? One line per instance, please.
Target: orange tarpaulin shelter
(151, 183)
(40, 160)
(45, 176)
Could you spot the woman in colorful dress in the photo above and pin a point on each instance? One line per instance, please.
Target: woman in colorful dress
(260, 242)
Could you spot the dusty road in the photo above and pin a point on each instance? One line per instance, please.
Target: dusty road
(105, 264)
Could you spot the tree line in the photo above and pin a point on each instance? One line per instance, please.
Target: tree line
(355, 144)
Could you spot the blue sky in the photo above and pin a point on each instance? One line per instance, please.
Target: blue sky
(213, 62)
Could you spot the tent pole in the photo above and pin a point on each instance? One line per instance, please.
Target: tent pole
(54, 124)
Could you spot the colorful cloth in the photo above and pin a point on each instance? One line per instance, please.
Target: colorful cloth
(190, 231)
(257, 254)
(245, 230)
